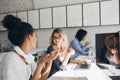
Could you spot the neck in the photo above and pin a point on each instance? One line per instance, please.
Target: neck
(25, 48)
(58, 46)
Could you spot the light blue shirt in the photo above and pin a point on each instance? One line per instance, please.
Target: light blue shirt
(78, 47)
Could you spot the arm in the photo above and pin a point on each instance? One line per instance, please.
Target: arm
(46, 71)
(78, 61)
(116, 55)
(37, 74)
(78, 47)
(66, 58)
(69, 52)
(86, 44)
(42, 75)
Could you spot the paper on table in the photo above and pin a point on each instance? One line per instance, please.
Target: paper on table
(68, 78)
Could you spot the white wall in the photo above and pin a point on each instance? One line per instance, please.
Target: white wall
(43, 35)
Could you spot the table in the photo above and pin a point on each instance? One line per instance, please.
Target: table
(93, 73)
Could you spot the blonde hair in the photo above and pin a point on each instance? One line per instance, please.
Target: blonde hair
(64, 38)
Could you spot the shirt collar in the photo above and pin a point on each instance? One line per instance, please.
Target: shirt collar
(28, 57)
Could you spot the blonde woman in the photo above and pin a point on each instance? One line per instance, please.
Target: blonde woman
(59, 41)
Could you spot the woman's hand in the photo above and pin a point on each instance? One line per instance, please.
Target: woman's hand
(81, 62)
(70, 51)
(49, 57)
(114, 51)
(61, 51)
(86, 44)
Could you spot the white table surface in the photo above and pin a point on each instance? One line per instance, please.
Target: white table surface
(111, 71)
(93, 73)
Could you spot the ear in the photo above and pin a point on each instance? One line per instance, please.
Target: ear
(29, 37)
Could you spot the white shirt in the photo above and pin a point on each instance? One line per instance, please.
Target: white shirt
(13, 68)
(111, 59)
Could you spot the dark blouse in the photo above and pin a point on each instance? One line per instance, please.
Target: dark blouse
(56, 64)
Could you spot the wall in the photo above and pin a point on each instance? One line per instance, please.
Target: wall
(51, 3)
(43, 35)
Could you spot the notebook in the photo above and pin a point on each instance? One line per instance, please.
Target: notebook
(68, 78)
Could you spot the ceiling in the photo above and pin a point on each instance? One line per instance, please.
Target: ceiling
(15, 5)
(21, 5)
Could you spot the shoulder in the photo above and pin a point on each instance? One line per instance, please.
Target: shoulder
(75, 41)
(10, 58)
(11, 55)
(50, 49)
(10, 61)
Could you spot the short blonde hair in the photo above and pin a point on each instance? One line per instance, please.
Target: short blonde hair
(64, 38)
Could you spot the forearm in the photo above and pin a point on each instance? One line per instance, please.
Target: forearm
(66, 58)
(117, 59)
(46, 71)
(37, 74)
(73, 61)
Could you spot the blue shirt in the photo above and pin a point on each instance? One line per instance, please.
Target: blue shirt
(78, 47)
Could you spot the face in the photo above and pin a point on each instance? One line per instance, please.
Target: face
(116, 41)
(33, 40)
(57, 39)
(84, 38)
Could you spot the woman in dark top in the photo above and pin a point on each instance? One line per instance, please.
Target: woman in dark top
(58, 41)
(109, 53)
(112, 53)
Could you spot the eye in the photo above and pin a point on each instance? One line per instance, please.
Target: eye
(59, 37)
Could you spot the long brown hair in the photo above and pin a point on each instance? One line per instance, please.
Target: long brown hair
(110, 44)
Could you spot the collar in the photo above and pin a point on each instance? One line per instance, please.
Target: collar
(28, 57)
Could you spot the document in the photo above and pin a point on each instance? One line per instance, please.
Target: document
(68, 78)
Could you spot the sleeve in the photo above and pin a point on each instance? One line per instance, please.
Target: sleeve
(102, 55)
(83, 49)
(12, 72)
(33, 67)
(50, 49)
(117, 66)
(78, 47)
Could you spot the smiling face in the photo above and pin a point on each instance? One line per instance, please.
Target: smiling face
(57, 39)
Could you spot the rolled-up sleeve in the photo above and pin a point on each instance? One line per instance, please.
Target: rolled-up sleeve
(78, 47)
